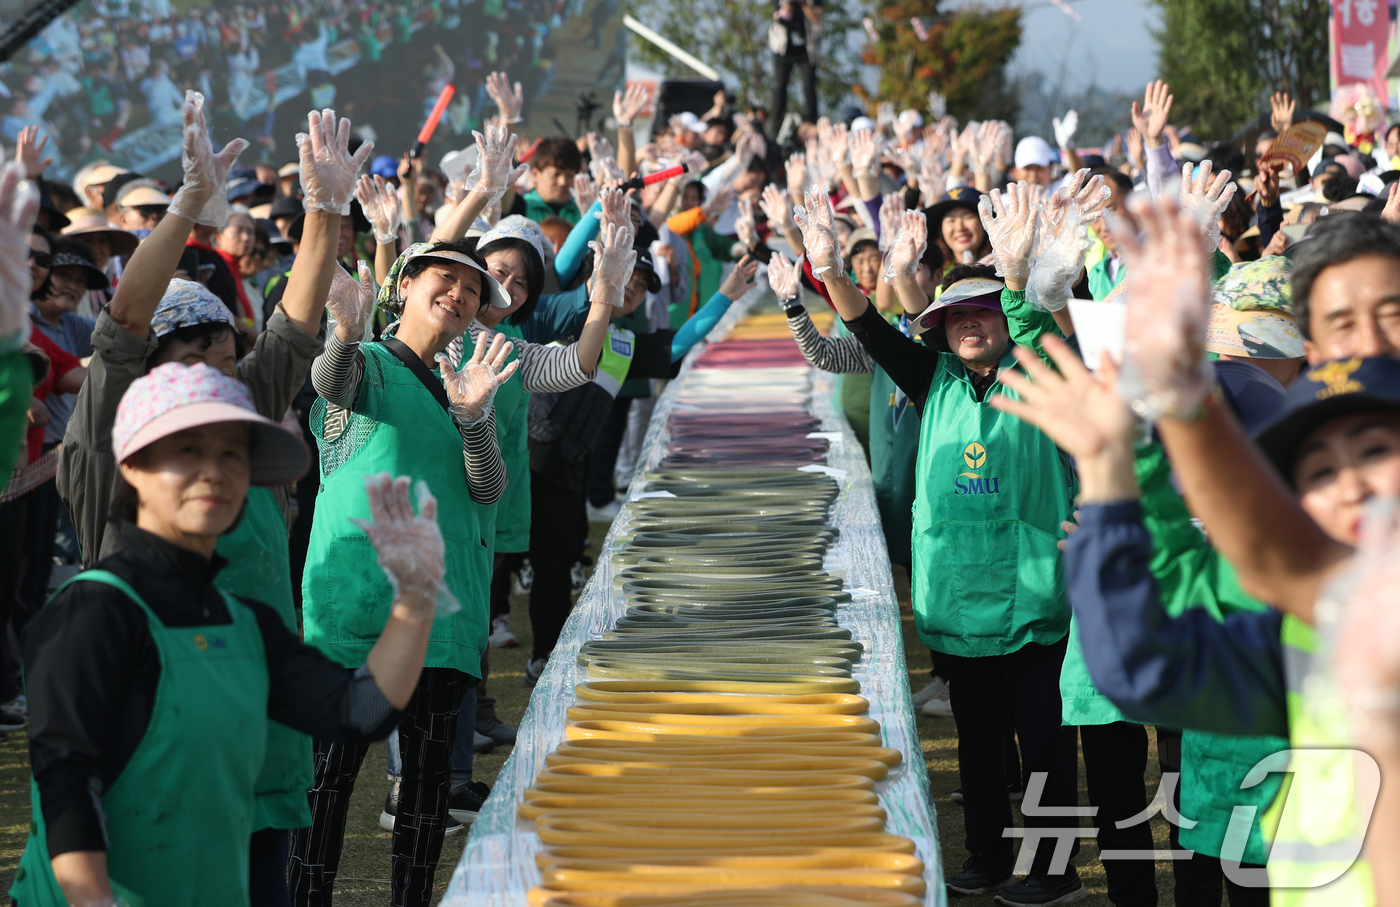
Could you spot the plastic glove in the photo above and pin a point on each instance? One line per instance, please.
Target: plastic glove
(885, 116)
(908, 248)
(599, 147)
(472, 388)
(350, 303)
(380, 201)
(493, 175)
(617, 210)
(1055, 272)
(816, 221)
(933, 184)
(328, 169)
(409, 547)
(627, 107)
(1065, 129)
(718, 203)
(783, 278)
(797, 174)
(937, 105)
(984, 146)
(1011, 222)
(1207, 200)
(776, 207)
(584, 192)
(891, 212)
(19, 201)
(865, 153)
(510, 102)
(1165, 368)
(1366, 655)
(1082, 194)
(613, 260)
(839, 144)
(200, 197)
(745, 226)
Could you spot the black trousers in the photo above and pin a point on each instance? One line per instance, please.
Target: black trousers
(14, 541)
(782, 70)
(267, 869)
(603, 458)
(990, 696)
(426, 736)
(1199, 880)
(1115, 758)
(557, 524)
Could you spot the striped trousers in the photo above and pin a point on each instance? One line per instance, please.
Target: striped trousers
(426, 736)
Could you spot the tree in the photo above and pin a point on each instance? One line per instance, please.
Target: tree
(1224, 57)
(732, 37)
(964, 57)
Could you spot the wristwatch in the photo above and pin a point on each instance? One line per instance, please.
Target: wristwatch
(793, 307)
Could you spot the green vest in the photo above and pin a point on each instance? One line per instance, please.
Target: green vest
(991, 494)
(512, 535)
(259, 568)
(1313, 825)
(639, 323)
(854, 398)
(537, 209)
(894, 449)
(397, 427)
(179, 816)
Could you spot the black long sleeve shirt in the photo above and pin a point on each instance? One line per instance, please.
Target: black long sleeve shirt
(910, 364)
(92, 668)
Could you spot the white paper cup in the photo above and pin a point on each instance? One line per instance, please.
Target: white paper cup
(1100, 327)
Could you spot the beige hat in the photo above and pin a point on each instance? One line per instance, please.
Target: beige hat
(291, 169)
(136, 196)
(261, 212)
(87, 221)
(98, 176)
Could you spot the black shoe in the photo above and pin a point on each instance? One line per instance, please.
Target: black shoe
(496, 729)
(1040, 890)
(1013, 792)
(391, 812)
(978, 876)
(465, 801)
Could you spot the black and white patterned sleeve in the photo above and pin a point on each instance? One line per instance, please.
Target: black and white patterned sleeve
(336, 373)
(839, 355)
(486, 470)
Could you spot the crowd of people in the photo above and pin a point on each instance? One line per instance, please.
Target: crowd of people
(298, 431)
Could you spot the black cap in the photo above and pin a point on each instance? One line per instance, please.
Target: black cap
(114, 186)
(962, 197)
(648, 267)
(285, 206)
(1326, 392)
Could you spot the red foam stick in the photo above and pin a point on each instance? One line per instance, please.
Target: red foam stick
(638, 182)
(425, 134)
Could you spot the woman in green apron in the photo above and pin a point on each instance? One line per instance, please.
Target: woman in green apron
(151, 690)
(384, 408)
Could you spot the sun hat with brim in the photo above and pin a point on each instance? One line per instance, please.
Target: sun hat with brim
(390, 300)
(1256, 334)
(961, 197)
(96, 280)
(292, 169)
(1326, 392)
(101, 176)
(174, 397)
(143, 196)
(90, 221)
(982, 292)
(858, 236)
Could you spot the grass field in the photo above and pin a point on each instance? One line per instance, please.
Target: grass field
(364, 878)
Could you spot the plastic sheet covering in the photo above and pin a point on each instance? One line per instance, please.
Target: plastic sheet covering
(498, 867)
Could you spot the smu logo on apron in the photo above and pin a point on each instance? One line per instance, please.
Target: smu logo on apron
(975, 481)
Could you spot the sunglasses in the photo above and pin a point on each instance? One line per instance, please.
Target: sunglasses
(42, 259)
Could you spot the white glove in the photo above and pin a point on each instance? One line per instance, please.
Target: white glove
(1207, 200)
(1065, 129)
(380, 202)
(351, 303)
(613, 260)
(891, 212)
(626, 107)
(1012, 223)
(783, 278)
(1084, 195)
(19, 201)
(745, 227)
(509, 99)
(616, 209)
(471, 389)
(816, 221)
(409, 548)
(776, 207)
(584, 192)
(328, 169)
(1165, 368)
(201, 197)
(493, 175)
(865, 153)
(1055, 272)
(908, 249)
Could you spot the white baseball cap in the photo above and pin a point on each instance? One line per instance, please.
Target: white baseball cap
(1033, 151)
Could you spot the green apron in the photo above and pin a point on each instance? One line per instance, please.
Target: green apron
(180, 814)
(397, 427)
(511, 535)
(894, 449)
(259, 568)
(992, 491)
(854, 399)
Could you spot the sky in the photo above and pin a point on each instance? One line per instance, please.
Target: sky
(1110, 45)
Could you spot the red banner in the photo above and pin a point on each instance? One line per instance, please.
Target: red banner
(1360, 43)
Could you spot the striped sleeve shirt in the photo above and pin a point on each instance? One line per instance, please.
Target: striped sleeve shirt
(839, 355)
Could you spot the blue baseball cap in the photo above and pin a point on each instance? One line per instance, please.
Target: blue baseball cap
(241, 182)
(1325, 392)
(384, 166)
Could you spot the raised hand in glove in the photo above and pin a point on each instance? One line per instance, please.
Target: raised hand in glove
(328, 169)
(613, 259)
(409, 547)
(201, 196)
(902, 262)
(783, 278)
(493, 173)
(1012, 223)
(891, 215)
(819, 240)
(509, 99)
(380, 201)
(1207, 200)
(1059, 265)
(351, 303)
(1086, 196)
(776, 207)
(626, 107)
(584, 192)
(745, 226)
(617, 210)
(19, 201)
(472, 388)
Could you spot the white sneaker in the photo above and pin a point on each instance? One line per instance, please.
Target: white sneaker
(938, 705)
(605, 514)
(524, 577)
(501, 637)
(534, 668)
(930, 690)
